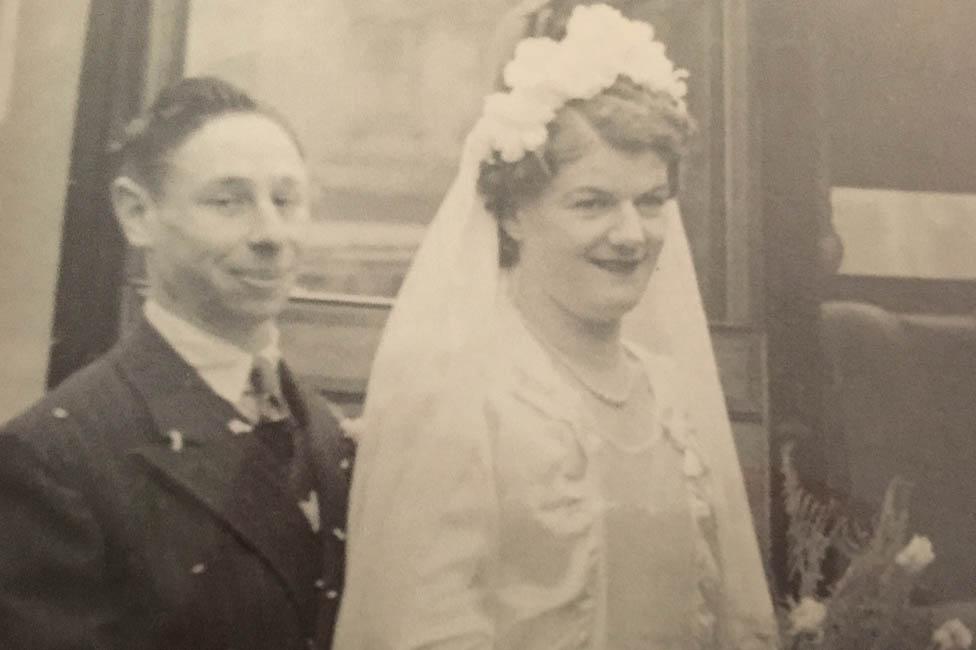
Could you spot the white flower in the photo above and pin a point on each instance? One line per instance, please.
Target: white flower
(953, 635)
(600, 45)
(310, 508)
(506, 140)
(352, 428)
(238, 426)
(519, 110)
(514, 123)
(175, 440)
(916, 555)
(532, 64)
(808, 616)
(601, 24)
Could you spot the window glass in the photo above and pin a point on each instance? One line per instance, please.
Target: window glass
(898, 233)
(382, 94)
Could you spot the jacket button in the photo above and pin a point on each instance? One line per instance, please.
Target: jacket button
(320, 584)
(332, 594)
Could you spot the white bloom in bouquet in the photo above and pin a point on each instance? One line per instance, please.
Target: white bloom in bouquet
(916, 555)
(953, 635)
(808, 616)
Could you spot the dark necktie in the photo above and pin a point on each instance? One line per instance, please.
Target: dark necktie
(274, 426)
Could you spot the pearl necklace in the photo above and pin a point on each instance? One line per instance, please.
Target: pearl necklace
(614, 400)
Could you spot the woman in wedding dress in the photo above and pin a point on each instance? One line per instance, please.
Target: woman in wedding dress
(530, 476)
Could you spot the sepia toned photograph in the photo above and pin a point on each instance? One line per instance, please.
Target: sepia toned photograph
(487, 325)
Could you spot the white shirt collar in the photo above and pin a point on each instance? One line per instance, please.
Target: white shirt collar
(223, 366)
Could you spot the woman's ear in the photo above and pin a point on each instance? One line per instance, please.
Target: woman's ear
(133, 207)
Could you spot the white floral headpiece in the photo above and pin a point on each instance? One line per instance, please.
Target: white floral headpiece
(600, 45)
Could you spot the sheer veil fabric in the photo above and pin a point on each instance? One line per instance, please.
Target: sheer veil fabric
(426, 398)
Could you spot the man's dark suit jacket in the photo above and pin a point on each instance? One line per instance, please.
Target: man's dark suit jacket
(133, 516)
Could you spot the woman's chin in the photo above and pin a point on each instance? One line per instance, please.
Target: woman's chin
(624, 300)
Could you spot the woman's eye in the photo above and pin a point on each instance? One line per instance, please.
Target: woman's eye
(650, 201)
(592, 203)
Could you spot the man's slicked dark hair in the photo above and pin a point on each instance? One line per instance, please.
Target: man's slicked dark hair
(179, 111)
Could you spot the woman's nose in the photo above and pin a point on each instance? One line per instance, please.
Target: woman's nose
(656, 228)
(629, 228)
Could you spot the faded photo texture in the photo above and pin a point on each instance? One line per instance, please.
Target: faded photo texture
(829, 198)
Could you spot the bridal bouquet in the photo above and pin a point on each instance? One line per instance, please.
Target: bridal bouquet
(868, 607)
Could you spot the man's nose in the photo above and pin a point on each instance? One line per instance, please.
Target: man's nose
(269, 231)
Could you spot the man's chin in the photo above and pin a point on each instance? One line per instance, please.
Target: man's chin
(260, 310)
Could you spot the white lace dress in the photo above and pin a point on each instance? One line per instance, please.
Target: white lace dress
(604, 518)
(532, 520)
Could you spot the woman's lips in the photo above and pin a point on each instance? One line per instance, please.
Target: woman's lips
(619, 267)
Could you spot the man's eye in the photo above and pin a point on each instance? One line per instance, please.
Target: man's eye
(286, 202)
(225, 203)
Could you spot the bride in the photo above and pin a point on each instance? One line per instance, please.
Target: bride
(528, 477)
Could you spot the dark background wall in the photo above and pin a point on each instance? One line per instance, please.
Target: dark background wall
(901, 93)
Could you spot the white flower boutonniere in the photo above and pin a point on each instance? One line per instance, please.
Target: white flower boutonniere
(808, 616)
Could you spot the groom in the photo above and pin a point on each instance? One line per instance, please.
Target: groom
(184, 491)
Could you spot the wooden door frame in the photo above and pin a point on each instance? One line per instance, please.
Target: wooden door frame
(132, 48)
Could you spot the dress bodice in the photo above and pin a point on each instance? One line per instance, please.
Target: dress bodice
(598, 534)
(649, 534)
(514, 525)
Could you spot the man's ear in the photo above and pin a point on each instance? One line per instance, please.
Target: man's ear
(133, 207)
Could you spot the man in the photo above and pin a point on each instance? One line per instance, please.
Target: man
(183, 491)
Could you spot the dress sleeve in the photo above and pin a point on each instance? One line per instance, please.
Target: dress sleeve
(421, 539)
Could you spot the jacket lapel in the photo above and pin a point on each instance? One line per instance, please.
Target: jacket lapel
(201, 447)
(328, 452)
(328, 456)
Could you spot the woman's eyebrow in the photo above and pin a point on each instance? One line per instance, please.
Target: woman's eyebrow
(589, 189)
(663, 188)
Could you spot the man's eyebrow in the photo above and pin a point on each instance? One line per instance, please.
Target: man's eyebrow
(227, 182)
(287, 180)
